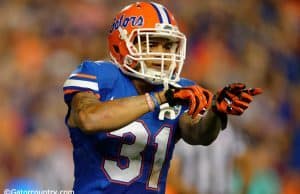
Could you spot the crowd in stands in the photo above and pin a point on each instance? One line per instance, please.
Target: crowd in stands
(256, 42)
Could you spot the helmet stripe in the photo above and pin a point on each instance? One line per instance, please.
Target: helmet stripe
(161, 12)
(167, 14)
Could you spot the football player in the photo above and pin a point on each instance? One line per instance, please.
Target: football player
(125, 115)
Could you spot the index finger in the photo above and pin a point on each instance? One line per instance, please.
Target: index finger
(253, 91)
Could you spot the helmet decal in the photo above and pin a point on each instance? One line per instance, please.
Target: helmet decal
(125, 21)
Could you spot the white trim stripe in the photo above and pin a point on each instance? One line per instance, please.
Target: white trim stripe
(162, 12)
(73, 75)
(82, 84)
(82, 75)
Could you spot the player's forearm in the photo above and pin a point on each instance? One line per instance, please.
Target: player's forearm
(202, 132)
(110, 115)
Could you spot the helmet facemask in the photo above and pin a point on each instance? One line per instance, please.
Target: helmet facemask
(153, 66)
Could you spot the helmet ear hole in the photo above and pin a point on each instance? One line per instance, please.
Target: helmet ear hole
(116, 48)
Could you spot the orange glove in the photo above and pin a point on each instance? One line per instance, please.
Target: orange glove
(234, 99)
(197, 98)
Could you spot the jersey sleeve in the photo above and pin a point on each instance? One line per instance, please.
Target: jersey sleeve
(83, 79)
(98, 77)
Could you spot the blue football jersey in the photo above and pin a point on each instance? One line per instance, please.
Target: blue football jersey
(134, 159)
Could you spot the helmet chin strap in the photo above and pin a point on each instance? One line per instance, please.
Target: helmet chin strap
(166, 84)
(156, 78)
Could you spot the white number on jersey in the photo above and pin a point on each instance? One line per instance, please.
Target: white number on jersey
(133, 152)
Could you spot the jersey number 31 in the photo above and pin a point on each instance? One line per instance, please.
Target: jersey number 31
(133, 152)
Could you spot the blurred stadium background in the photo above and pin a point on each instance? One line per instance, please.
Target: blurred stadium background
(252, 41)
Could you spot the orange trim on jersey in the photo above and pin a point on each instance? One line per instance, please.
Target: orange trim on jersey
(85, 76)
(70, 91)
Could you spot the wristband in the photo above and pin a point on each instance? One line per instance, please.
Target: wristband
(154, 99)
(150, 102)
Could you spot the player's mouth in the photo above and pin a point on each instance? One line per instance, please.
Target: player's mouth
(158, 66)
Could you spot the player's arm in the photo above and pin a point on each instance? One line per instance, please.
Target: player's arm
(233, 99)
(200, 130)
(92, 115)
(193, 128)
